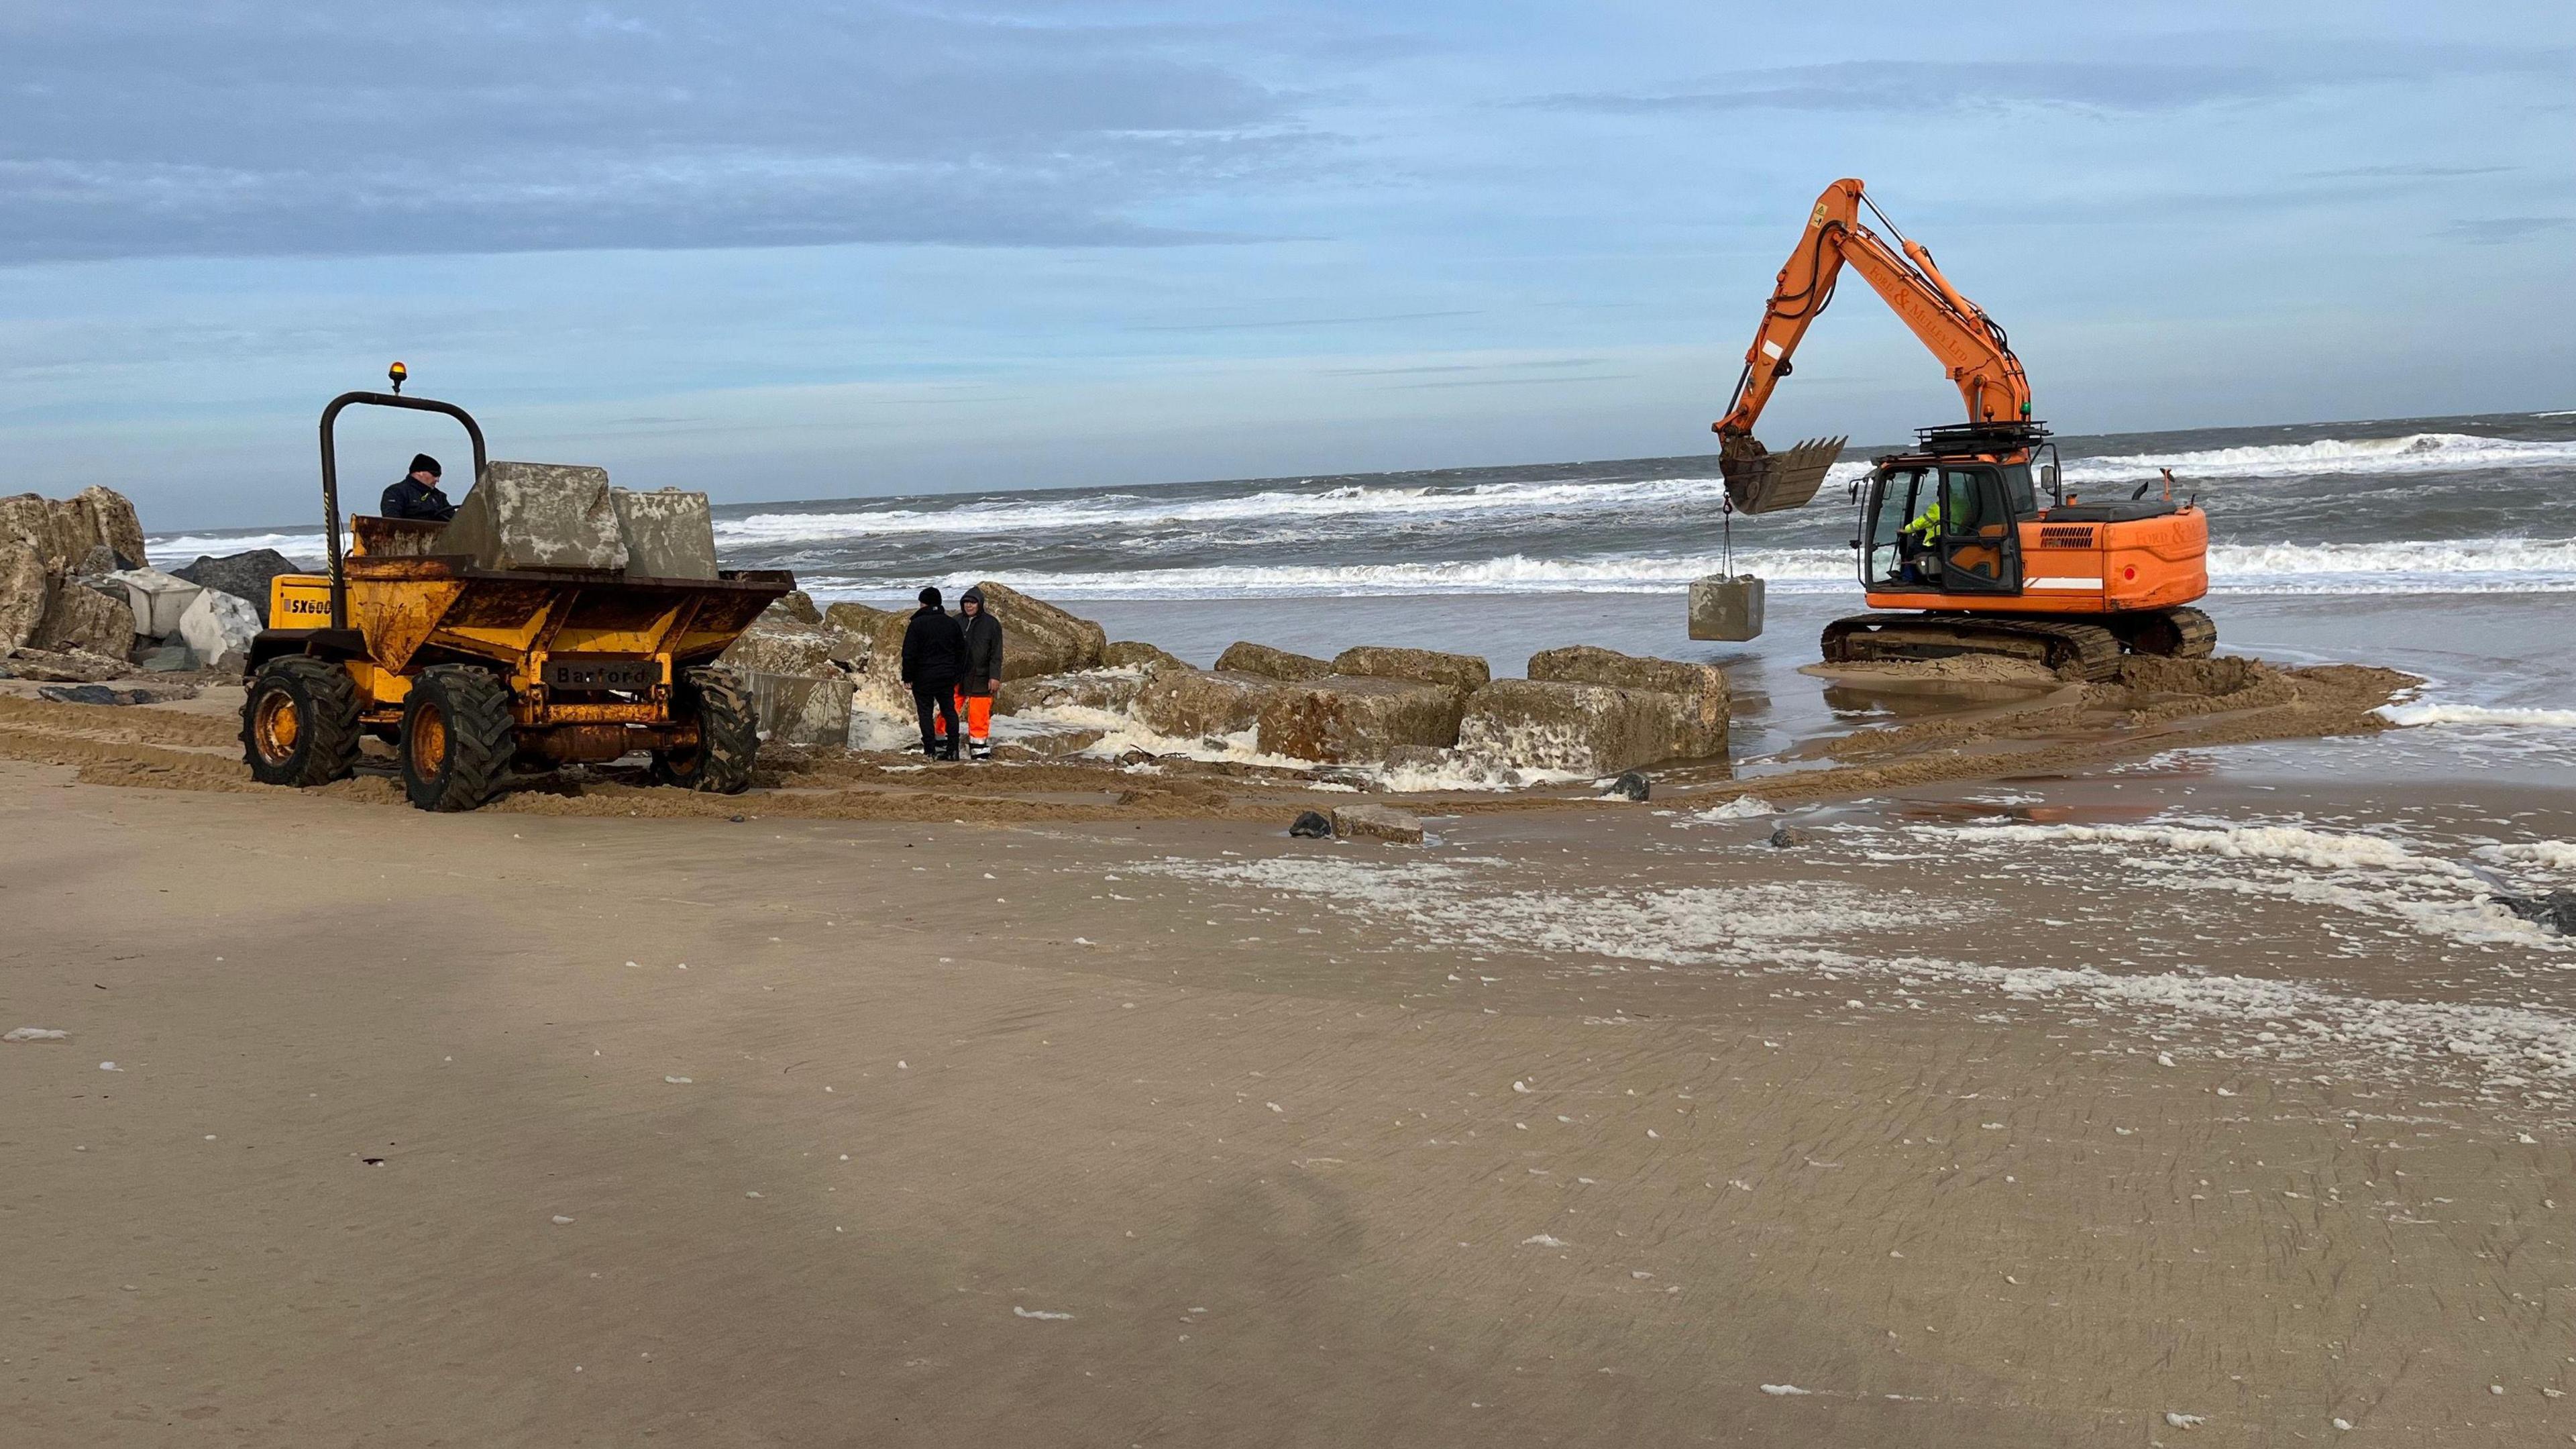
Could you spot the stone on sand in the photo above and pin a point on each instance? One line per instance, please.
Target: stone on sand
(73, 667)
(1311, 825)
(1246, 657)
(1377, 822)
(1039, 638)
(1462, 672)
(1702, 688)
(245, 576)
(1345, 719)
(1188, 703)
(1591, 729)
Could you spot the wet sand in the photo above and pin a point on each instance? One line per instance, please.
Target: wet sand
(2002, 1111)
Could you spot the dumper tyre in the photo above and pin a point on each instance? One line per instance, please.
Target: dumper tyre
(300, 722)
(456, 737)
(728, 734)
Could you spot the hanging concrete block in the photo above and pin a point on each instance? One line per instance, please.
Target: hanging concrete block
(1726, 608)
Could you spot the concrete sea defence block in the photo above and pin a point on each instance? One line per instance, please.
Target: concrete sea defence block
(803, 709)
(1377, 822)
(156, 598)
(1707, 699)
(1726, 608)
(854, 629)
(84, 619)
(1113, 690)
(1191, 703)
(780, 643)
(1130, 654)
(1345, 719)
(1593, 729)
(1462, 672)
(1246, 657)
(668, 534)
(218, 629)
(538, 516)
(1039, 638)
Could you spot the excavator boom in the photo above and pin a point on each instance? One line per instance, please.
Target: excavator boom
(1978, 358)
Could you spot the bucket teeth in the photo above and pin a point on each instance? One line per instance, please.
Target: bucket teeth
(1762, 482)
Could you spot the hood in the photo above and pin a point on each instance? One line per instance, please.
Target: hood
(975, 597)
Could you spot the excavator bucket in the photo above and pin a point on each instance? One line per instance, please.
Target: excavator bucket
(1761, 481)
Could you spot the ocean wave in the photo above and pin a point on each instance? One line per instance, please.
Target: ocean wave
(2478, 714)
(2456, 566)
(185, 548)
(2410, 453)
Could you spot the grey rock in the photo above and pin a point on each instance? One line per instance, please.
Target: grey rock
(1129, 654)
(1189, 703)
(1786, 837)
(1039, 638)
(245, 576)
(25, 593)
(62, 667)
(164, 659)
(1702, 688)
(1311, 825)
(1113, 690)
(87, 620)
(1631, 785)
(218, 629)
(2555, 911)
(101, 694)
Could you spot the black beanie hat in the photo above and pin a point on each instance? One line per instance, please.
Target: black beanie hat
(423, 463)
(930, 596)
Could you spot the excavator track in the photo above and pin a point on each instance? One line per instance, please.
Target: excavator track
(2089, 651)
(2174, 633)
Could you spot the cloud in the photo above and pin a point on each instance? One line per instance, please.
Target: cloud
(266, 128)
(2494, 231)
(2145, 83)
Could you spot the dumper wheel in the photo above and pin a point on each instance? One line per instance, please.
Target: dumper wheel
(300, 722)
(728, 734)
(456, 740)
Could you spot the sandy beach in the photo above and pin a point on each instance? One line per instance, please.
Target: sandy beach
(2003, 1109)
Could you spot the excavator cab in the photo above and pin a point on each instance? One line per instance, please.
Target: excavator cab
(1948, 527)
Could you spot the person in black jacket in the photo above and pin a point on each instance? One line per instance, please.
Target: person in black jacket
(934, 661)
(983, 670)
(416, 494)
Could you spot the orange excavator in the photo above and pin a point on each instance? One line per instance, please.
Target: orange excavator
(1968, 544)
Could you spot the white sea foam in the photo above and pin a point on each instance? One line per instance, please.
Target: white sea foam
(2474, 714)
(2407, 453)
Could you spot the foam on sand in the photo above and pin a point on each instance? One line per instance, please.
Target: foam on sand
(2473, 714)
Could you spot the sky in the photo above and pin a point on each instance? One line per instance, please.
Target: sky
(799, 250)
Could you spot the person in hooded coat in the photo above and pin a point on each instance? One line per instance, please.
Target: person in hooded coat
(983, 670)
(934, 664)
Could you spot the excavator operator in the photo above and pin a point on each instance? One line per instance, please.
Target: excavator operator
(1916, 540)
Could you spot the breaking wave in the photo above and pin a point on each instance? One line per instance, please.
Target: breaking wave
(2410, 453)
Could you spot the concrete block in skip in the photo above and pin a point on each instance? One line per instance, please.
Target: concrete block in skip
(538, 516)
(668, 535)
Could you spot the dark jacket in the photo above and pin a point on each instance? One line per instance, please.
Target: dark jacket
(983, 651)
(412, 498)
(934, 649)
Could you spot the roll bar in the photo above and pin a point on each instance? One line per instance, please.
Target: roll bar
(331, 475)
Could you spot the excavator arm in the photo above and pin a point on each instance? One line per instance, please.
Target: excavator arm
(1971, 346)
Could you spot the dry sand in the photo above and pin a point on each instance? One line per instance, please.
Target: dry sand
(1139, 1123)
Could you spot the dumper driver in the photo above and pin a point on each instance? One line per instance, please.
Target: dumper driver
(416, 494)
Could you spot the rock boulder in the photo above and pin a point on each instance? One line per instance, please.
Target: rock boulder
(105, 516)
(854, 629)
(1464, 673)
(1345, 719)
(1377, 822)
(1192, 703)
(1701, 687)
(1129, 654)
(1113, 690)
(1246, 657)
(85, 619)
(1039, 638)
(245, 576)
(778, 642)
(538, 516)
(803, 709)
(1591, 729)
(668, 534)
(75, 667)
(25, 591)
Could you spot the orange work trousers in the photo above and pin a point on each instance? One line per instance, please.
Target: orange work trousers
(976, 710)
